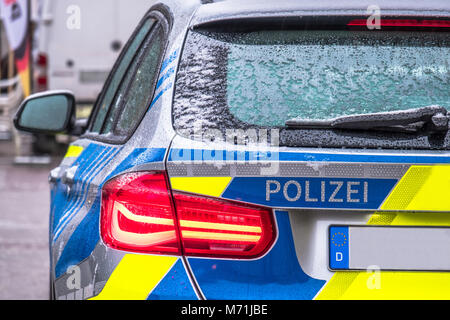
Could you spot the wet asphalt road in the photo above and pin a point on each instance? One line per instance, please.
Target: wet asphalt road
(24, 214)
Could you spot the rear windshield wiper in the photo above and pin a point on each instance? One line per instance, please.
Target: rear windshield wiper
(430, 119)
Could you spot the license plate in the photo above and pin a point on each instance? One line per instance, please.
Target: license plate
(389, 248)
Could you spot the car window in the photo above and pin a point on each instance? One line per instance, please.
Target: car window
(266, 78)
(351, 73)
(141, 89)
(106, 100)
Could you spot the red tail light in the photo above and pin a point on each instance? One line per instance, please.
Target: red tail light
(42, 81)
(214, 227)
(41, 78)
(42, 60)
(138, 215)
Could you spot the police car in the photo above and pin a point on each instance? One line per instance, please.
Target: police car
(259, 150)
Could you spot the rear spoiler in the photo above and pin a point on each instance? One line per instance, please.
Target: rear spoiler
(228, 12)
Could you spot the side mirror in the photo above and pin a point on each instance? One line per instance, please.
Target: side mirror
(49, 112)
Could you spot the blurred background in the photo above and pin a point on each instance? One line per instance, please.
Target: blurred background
(46, 45)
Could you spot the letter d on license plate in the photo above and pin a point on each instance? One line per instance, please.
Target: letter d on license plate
(389, 248)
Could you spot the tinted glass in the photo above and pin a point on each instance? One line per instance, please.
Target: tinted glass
(265, 78)
(106, 101)
(142, 87)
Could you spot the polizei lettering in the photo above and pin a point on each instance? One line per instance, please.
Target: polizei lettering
(329, 191)
(311, 192)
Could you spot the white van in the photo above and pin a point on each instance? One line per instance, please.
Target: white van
(79, 40)
(10, 87)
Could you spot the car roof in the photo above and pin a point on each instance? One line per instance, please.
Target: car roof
(214, 11)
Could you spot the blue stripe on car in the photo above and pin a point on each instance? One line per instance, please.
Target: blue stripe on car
(164, 77)
(169, 60)
(174, 286)
(159, 95)
(86, 235)
(87, 179)
(80, 183)
(178, 154)
(277, 275)
(86, 162)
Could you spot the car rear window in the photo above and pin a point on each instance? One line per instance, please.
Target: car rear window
(263, 79)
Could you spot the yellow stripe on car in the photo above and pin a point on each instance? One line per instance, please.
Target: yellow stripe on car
(423, 188)
(136, 277)
(209, 186)
(73, 151)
